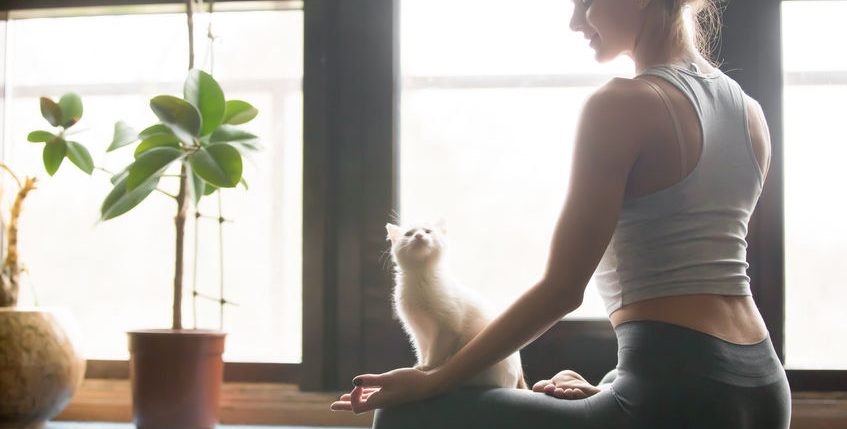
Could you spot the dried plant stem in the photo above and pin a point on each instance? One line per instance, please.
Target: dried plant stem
(11, 270)
(12, 173)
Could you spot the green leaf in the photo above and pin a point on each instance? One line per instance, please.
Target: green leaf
(231, 134)
(124, 135)
(218, 164)
(157, 140)
(153, 130)
(247, 145)
(239, 112)
(120, 200)
(120, 176)
(71, 106)
(40, 136)
(151, 164)
(197, 186)
(243, 182)
(210, 189)
(204, 93)
(242, 140)
(183, 118)
(54, 153)
(80, 156)
(51, 111)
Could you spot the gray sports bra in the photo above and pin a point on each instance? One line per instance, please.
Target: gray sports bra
(689, 238)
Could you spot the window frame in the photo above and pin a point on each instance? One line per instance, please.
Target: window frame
(750, 51)
(240, 372)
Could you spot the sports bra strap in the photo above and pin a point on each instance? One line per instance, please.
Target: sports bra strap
(676, 125)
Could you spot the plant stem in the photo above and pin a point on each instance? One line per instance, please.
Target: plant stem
(182, 196)
(11, 173)
(175, 197)
(182, 208)
(189, 8)
(10, 271)
(104, 170)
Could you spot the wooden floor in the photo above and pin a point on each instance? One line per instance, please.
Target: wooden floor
(263, 404)
(284, 406)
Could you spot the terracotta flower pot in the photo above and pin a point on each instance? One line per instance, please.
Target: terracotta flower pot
(41, 364)
(176, 378)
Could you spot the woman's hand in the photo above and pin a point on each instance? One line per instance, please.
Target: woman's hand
(387, 389)
(566, 384)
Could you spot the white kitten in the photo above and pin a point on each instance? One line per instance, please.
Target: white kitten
(438, 314)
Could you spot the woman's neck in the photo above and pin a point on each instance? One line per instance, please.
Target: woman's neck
(657, 45)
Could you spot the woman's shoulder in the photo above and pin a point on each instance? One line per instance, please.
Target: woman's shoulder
(623, 103)
(624, 92)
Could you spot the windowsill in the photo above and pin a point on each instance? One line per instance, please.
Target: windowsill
(284, 404)
(819, 410)
(241, 403)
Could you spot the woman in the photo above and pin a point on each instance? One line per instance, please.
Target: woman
(667, 170)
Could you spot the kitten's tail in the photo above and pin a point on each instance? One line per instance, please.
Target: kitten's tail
(522, 382)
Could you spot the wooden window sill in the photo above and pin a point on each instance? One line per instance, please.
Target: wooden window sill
(285, 404)
(241, 403)
(819, 410)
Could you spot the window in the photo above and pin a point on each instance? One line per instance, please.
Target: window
(815, 76)
(125, 266)
(487, 122)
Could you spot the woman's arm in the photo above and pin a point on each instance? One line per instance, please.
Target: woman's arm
(607, 144)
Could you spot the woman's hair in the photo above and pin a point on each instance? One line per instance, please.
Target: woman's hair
(699, 19)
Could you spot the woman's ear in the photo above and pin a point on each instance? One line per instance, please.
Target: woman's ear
(392, 230)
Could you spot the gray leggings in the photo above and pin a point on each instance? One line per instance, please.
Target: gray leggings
(667, 376)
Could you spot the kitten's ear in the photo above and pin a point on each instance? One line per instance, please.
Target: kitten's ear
(393, 231)
(441, 224)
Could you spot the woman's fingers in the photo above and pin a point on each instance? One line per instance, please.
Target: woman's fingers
(384, 390)
(347, 397)
(559, 393)
(365, 392)
(539, 386)
(564, 392)
(372, 402)
(356, 398)
(341, 406)
(365, 380)
(353, 401)
(575, 394)
(568, 393)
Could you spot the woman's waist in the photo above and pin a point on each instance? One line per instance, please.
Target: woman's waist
(731, 318)
(655, 348)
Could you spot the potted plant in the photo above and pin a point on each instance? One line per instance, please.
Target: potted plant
(177, 373)
(41, 364)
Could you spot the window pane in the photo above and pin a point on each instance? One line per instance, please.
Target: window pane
(117, 275)
(815, 150)
(487, 124)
